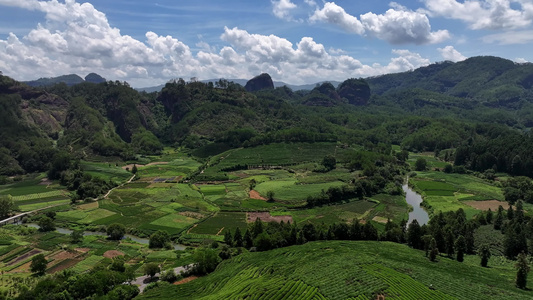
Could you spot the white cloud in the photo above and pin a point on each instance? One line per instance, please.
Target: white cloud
(509, 37)
(311, 3)
(282, 8)
(397, 26)
(485, 14)
(521, 60)
(77, 38)
(334, 14)
(449, 53)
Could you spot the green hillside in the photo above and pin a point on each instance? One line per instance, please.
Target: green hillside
(349, 270)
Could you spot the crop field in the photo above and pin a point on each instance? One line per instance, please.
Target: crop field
(390, 207)
(106, 171)
(329, 214)
(221, 222)
(449, 192)
(274, 155)
(348, 270)
(293, 191)
(432, 162)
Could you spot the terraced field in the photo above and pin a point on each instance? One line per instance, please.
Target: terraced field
(348, 270)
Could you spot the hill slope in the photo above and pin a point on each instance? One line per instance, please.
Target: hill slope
(347, 270)
(492, 81)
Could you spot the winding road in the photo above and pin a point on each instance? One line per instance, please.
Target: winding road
(143, 281)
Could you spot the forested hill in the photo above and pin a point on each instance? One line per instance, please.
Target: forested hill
(488, 80)
(464, 108)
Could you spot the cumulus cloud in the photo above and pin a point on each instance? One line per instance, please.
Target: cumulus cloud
(77, 38)
(282, 8)
(449, 53)
(521, 60)
(485, 14)
(397, 26)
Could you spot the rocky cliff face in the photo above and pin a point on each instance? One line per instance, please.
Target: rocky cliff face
(261, 82)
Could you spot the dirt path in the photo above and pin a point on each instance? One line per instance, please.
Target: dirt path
(220, 231)
(144, 281)
(255, 195)
(118, 186)
(185, 280)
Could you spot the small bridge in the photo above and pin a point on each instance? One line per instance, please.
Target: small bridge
(17, 218)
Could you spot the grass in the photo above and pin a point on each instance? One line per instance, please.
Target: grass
(106, 171)
(221, 221)
(348, 270)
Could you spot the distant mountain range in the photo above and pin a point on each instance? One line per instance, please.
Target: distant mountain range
(70, 80)
(243, 83)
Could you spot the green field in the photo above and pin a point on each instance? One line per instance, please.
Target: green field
(445, 192)
(348, 270)
(221, 222)
(106, 171)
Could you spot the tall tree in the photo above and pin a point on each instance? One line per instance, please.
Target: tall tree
(150, 269)
(434, 250)
(46, 224)
(237, 238)
(414, 235)
(460, 248)
(498, 222)
(484, 253)
(490, 216)
(248, 241)
(38, 264)
(7, 205)
(450, 241)
(522, 267)
(228, 238)
(116, 231)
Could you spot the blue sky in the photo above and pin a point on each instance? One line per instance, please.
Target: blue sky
(297, 41)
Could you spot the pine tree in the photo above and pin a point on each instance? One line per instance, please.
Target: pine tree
(484, 253)
(522, 267)
(450, 243)
(228, 239)
(460, 248)
(498, 222)
(257, 228)
(434, 250)
(414, 235)
(248, 241)
(237, 238)
(510, 212)
(490, 216)
(519, 211)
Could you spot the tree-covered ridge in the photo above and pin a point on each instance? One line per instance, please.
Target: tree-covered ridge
(435, 108)
(489, 80)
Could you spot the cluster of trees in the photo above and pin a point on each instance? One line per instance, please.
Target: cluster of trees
(102, 282)
(262, 237)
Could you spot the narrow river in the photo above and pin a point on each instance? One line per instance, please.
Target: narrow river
(418, 213)
(126, 236)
